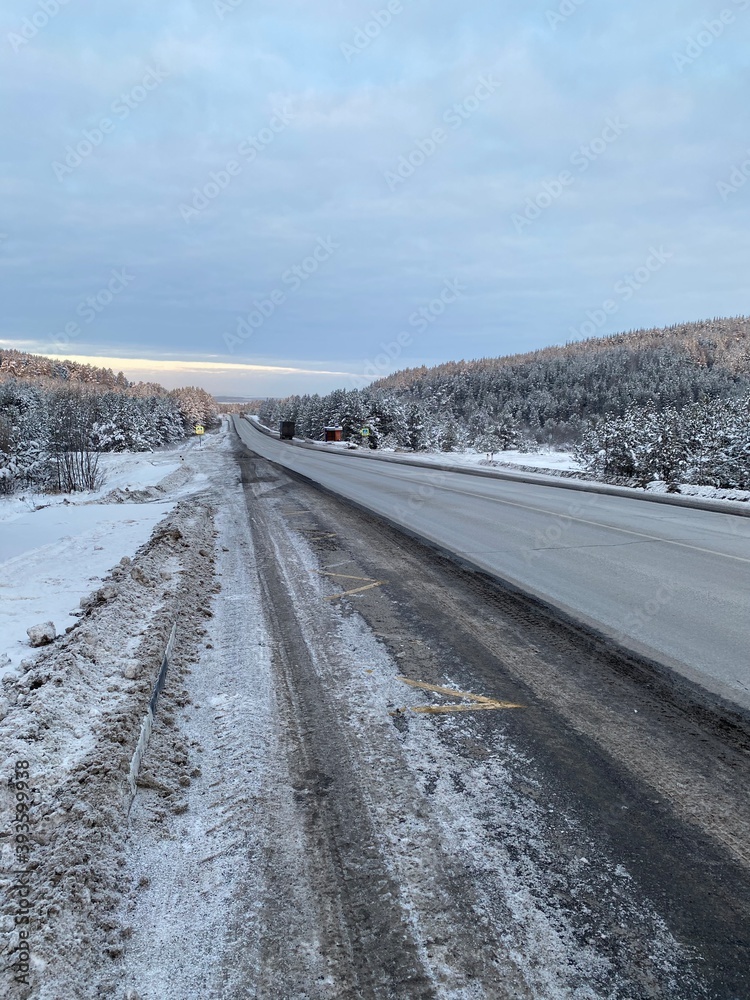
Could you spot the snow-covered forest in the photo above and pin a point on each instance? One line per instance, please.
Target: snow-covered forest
(57, 417)
(684, 395)
(707, 443)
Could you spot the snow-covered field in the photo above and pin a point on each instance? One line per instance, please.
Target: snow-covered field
(544, 459)
(56, 549)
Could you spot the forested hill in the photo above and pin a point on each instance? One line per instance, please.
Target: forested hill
(717, 342)
(56, 416)
(553, 395)
(20, 365)
(51, 375)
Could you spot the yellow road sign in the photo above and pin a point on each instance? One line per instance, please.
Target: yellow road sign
(200, 429)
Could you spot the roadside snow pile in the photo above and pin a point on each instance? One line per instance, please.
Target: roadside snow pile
(181, 475)
(54, 548)
(704, 492)
(71, 718)
(542, 460)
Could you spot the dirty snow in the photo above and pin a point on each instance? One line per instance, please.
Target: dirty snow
(73, 709)
(417, 774)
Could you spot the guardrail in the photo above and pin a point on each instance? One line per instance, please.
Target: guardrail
(148, 721)
(733, 507)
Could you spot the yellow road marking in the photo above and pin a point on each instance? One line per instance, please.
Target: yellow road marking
(451, 692)
(478, 701)
(445, 709)
(357, 590)
(341, 576)
(368, 580)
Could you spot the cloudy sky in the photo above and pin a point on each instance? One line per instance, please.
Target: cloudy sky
(271, 197)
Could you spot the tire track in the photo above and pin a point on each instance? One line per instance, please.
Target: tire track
(364, 932)
(626, 775)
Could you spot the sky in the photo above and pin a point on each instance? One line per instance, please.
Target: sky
(273, 197)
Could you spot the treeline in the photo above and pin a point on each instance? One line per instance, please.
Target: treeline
(393, 422)
(52, 433)
(640, 406)
(553, 400)
(720, 342)
(707, 443)
(19, 365)
(549, 402)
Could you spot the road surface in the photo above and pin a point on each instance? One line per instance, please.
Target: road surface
(670, 583)
(372, 775)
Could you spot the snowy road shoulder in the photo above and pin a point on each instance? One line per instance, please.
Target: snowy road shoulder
(54, 550)
(72, 717)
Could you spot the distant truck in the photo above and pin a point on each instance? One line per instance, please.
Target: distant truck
(286, 430)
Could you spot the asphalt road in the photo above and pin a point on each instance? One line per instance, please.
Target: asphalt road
(670, 583)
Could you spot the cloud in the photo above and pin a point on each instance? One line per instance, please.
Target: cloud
(186, 367)
(219, 377)
(324, 175)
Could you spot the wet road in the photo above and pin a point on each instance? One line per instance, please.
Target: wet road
(668, 582)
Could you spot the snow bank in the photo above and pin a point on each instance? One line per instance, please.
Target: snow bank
(72, 716)
(55, 549)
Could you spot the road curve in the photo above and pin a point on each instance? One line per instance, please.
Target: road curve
(670, 583)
